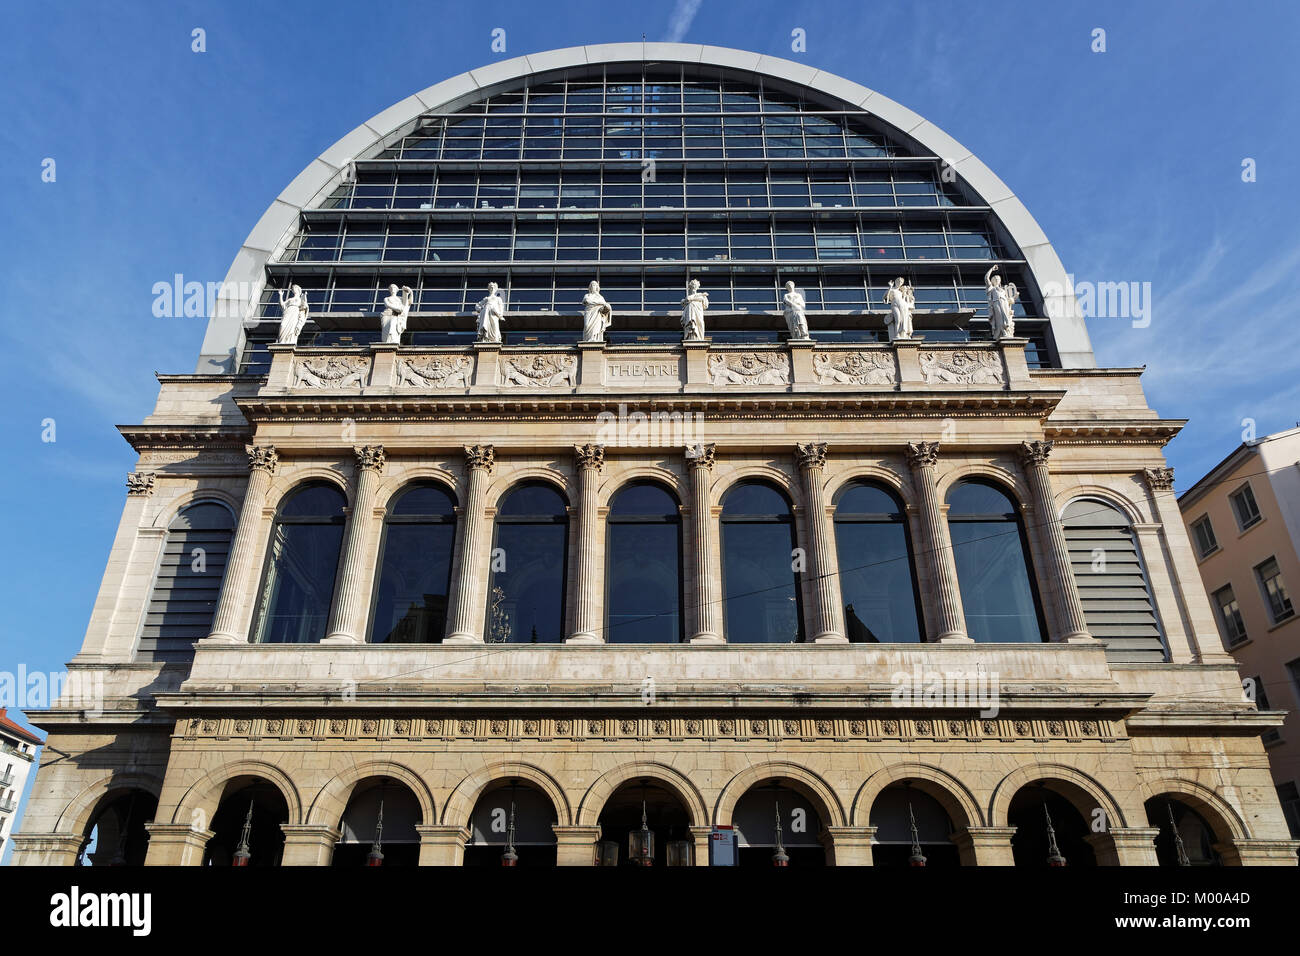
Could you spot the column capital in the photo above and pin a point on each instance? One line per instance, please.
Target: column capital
(139, 483)
(702, 455)
(1035, 452)
(262, 458)
(589, 455)
(370, 457)
(811, 454)
(480, 456)
(922, 454)
(1159, 479)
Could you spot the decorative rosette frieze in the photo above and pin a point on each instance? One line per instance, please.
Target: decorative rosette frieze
(480, 456)
(139, 483)
(262, 458)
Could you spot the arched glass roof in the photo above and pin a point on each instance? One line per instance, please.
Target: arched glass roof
(640, 173)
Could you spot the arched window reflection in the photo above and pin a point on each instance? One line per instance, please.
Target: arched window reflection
(415, 568)
(990, 552)
(528, 572)
(302, 562)
(644, 567)
(877, 579)
(760, 585)
(188, 583)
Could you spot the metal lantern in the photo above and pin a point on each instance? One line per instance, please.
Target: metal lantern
(917, 858)
(641, 843)
(242, 853)
(1179, 847)
(681, 853)
(607, 853)
(376, 855)
(1054, 857)
(510, 857)
(779, 857)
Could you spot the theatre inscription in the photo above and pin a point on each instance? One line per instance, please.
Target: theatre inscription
(641, 371)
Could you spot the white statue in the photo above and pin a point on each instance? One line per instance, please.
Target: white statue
(693, 307)
(793, 305)
(596, 314)
(396, 310)
(491, 312)
(294, 315)
(1002, 299)
(901, 299)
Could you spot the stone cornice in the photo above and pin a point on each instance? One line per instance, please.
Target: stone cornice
(1122, 431)
(185, 437)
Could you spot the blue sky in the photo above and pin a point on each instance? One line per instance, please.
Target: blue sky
(1130, 160)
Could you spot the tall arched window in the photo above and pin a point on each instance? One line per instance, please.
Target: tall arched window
(185, 592)
(760, 585)
(528, 572)
(989, 549)
(302, 562)
(415, 568)
(877, 579)
(643, 596)
(1112, 583)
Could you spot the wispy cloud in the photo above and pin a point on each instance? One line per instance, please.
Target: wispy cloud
(682, 17)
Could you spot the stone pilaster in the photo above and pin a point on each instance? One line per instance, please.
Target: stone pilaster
(348, 625)
(851, 846)
(828, 614)
(176, 844)
(1258, 852)
(588, 460)
(700, 837)
(985, 846)
(1126, 846)
(944, 609)
(45, 849)
(262, 462)
(467, 607)
(442, 845)
(310, 844)
(705, 593)
(575, 846)
(1069, 624)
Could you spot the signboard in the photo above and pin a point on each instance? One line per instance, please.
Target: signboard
(722, 847)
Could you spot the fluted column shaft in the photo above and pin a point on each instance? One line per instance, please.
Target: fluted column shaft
(468, 599)
(949, 618)
(262, 462)
(347, 622)
(588, 459)
(707, 593)
(1070, 624)
(828, 624)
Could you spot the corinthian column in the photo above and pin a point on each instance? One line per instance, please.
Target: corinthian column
(588, 459)
(347, 626)
(828, 623)
(706, 594)
(945, 605)
(262, 461)
(465, 624)
(1070, 624)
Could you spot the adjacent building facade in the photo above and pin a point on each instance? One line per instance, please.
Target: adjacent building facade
(858, 598)
(18, 748)
(1243, 519)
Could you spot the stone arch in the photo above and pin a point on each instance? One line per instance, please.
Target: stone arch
(394, 486)
(282, 486)
(782, 479)
(869, 473)
(204, 796)
(658, 474)
(1109, 496)
(1222, 817)
(167, 514)
(1010, 481)
(1083, 791)
(800, 778)
(508, 480)
(332, 800)
(593, 801)
(953, 795)
(460, 803)
(77, 814)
